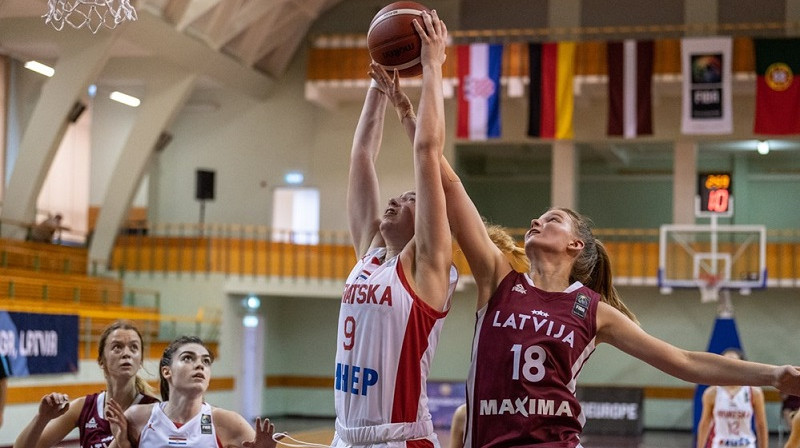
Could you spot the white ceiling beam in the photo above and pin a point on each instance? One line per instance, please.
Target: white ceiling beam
(281, 55)
(151, 33)
(192, 11)
(243, 19)
(220, 21)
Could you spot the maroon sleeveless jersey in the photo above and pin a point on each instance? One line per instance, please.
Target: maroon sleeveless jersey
(528, 350)
(94, 428)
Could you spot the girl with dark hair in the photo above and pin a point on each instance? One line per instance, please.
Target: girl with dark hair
(120, 357)
(729, 413)
(184, 417)
(535, 330)
(399, 292)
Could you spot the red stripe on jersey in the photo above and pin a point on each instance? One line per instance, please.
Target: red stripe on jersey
(408, 387)
(419, 443)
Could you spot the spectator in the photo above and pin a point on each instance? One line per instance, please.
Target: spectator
(46, 230)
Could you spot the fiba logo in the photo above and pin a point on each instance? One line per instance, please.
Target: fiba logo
(478, 88)
(778, 76)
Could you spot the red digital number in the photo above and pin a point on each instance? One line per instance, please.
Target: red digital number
(718, 200)
(349, 332)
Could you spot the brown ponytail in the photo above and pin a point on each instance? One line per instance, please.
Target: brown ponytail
(601, 282)
(593, 266)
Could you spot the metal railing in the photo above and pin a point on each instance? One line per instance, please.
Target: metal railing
(259, 251)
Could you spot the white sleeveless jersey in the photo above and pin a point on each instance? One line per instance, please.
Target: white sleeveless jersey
(161, 432)
(733, 415)
(385, 343)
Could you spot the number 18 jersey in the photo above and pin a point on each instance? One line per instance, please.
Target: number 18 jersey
(528, 350)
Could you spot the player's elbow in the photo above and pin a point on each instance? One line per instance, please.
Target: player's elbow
(429, 147)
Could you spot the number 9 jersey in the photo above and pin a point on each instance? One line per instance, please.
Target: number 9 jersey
(385, 344)
(528, 350)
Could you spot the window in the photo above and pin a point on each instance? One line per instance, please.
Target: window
(295, 215)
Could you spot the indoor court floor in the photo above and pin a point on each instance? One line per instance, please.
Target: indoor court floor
(320, 430)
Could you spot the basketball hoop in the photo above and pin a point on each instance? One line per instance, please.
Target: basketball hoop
(709, 285)
(89, 13)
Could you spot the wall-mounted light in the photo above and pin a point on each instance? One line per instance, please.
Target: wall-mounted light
(251, 303)
(294, 178)
(40, 68)
(763, 147)
(125, 99)
(250, 321)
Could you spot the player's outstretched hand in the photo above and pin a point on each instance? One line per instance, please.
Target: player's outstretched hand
(434, 38)
(119, 424)
(390, 86)
(264, 432)
(53, 405)
(788, 380)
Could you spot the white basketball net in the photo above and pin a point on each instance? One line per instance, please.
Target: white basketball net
(709, 288)
(92, 14)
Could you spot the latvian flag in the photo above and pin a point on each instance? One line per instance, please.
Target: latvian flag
(479, 67)
(630, 74)
(552, 98)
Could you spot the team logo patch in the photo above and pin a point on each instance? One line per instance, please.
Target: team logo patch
(778, 76)
(205, 424)
(581, 305)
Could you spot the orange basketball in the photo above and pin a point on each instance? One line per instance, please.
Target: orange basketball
(393, 41)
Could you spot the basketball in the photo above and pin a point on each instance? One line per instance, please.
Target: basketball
(393, 41)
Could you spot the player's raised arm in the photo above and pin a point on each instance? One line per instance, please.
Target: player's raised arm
(433, 254)
(363, 192)
(487, 263)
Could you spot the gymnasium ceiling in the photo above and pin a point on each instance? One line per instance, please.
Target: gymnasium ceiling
(260, 34)
(252, 42)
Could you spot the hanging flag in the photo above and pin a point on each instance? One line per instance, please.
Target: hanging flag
(777, 90)
(706, 70)
(551, 99)
(630, 75)
(479, 67)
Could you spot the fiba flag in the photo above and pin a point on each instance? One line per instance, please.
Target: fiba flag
(706, 71)
(630, 75)
(551, 98)
(777, 90)
(479, 67)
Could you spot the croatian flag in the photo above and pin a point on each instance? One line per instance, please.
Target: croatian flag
(479, 67)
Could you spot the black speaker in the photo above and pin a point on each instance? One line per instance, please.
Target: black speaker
(204, 185)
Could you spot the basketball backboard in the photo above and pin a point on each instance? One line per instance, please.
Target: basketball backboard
(712, 257)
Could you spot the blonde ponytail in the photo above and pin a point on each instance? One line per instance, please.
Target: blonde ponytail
(514, 253)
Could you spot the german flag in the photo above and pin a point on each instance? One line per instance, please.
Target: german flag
(552, 99)
(777, 86)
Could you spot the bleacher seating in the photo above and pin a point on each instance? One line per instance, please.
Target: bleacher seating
(42, 257)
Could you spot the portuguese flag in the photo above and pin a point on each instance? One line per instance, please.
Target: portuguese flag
(551, 101)
(777, 86)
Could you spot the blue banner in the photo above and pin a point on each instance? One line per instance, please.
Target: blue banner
(443, 399)
(39, 343)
